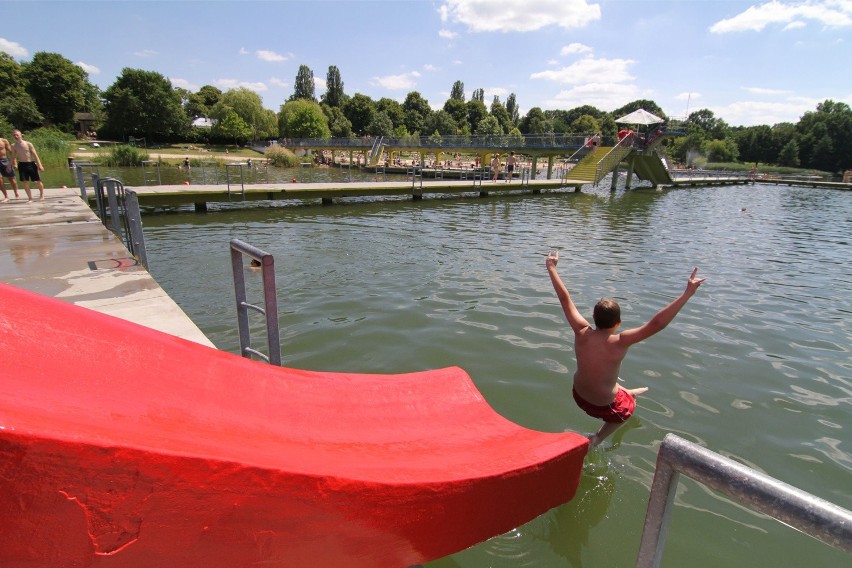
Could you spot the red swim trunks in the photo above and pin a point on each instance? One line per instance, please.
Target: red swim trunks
(617, 411)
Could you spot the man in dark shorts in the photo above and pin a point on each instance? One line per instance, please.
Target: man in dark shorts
(29, 164)
(6, 169)
(510, 166)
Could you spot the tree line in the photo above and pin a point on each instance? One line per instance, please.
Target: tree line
(49, 90)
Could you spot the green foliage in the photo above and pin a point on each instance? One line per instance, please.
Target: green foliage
(585, 124)
(53, 145)
(281, 157)
(123, 155)
(302, 118)
(338, 124)
(304, 88)
(722, 150)
(333, 96)
(359, 110)
(381, 125)
(457, 92)
(144, 104)
(247, 105)
(57, 87)
(232, 127)
(789, 155)
(417, 111)
(512, 109)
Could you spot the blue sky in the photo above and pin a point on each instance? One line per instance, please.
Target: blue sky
(749, 62)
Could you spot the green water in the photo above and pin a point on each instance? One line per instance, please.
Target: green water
(756, 367)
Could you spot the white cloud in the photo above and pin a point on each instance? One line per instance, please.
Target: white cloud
(605, 96)
(278, 82)
(753, 113)
(447, 34)
(589, 70)
(320, 85)
(226, 84)
(265, 55)
(13, 48)
(184, 84)
(794, 26)
(430, 67)
(829, 13)
(491, 92)
(90, 69)
(145, 53)
(763, 91)
(457, 62)
(244, 51)
(397, 82)
(573, 48)
(519, 16)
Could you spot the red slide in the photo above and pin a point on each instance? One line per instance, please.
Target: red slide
(123, 446)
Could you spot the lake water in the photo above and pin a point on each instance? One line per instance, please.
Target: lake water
(756, 367)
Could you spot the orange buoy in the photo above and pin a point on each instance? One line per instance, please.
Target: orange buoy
(294, 180)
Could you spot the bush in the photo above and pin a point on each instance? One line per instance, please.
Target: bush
(124, 155)
(281, 157)
(53, 146)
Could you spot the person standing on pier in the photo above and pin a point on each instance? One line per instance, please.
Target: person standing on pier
(495, 167)
(29, 164)
(600, 351)
(510, 166)
(7, 169)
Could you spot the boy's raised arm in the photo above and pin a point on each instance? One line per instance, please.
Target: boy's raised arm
(576, 320)
(665, 316)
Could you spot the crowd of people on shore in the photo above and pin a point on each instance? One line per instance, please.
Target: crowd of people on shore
(22, 155)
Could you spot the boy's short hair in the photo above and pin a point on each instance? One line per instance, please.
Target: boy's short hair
(607, 313)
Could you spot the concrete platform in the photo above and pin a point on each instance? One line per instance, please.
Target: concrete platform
(59, 248)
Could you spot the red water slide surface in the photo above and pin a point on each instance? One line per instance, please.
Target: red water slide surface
(122, 446)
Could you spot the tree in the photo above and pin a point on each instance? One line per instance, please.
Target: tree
(458, 110)
(535, 122)
(338, 124)
(714, 128)
(476, 111)
(304, 88)
(360, 110)
(302, 118)
(491, 131)
(417, 110)
(512, 109)
(393, 109)
(478, 95)
(826, 137)
(380, 125)
(232, 127)
(249, 106)
(57, 87)
(499, 112)
(333, 96)
(201, 102)
(789, 155)
(585, 124)
(457, 93)
(143, 103)
(722, 150)
(19, 108)
(442, 123)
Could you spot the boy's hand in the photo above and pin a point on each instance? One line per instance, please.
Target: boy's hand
(693, 283)
(552, 259)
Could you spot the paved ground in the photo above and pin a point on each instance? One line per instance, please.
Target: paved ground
(59, 248)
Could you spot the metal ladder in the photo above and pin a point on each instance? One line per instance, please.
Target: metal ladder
(239, 249)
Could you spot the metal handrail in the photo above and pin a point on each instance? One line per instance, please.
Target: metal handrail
(816, 517)
(609, 160)
(270, 308)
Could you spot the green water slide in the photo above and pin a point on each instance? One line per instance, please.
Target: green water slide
(650, 167)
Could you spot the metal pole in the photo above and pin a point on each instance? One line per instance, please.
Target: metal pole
(816, 517)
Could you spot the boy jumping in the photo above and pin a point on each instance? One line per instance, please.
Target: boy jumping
(600, 350)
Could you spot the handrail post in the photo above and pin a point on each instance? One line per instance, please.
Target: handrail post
(270, 309)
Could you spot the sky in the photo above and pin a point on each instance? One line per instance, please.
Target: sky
(750, 62)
